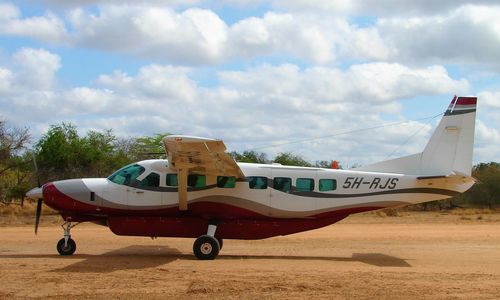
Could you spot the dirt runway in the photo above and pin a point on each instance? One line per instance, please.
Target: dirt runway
(426, 255)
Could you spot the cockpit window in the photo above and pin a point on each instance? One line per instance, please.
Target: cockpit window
(127, 175)
(152, 179)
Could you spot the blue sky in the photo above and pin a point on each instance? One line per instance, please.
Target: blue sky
(254, 73)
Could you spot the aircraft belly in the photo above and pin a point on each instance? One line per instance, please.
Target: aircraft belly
(230, 229)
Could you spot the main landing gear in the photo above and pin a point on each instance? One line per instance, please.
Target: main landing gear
(66, 245)
(207, 247)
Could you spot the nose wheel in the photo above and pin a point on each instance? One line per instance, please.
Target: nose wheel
(66, 245)
(66, 248)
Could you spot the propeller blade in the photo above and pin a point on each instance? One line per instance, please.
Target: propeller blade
(36, 170)
(38, 212)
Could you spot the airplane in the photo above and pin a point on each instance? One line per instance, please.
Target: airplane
(200, 192)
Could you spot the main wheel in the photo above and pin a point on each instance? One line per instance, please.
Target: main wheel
(206, 247)
(69, 249)
(221, 242)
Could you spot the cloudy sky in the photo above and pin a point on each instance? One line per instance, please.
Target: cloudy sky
(356, 81)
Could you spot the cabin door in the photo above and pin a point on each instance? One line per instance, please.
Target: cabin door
(292, 192)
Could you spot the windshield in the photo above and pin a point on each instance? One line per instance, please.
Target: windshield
(127, 175)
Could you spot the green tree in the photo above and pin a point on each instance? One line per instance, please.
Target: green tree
(15, 175)
(289, 159)
(62, 153)
(148, 147)
(487, 190)
(250, 157)
(12, 142)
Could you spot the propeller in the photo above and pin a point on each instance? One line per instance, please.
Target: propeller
(37, 178)
(38, 213)
(40, 199)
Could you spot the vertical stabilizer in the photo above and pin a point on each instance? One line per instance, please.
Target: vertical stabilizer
(449, 149)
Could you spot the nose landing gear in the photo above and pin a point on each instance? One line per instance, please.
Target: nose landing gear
(66, 245)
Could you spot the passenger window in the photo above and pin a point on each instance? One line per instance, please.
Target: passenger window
(283, 184)
(152, 180)
(171, 180)
(226, 182)
(257, 182)
(196, 180)
(305, 184)
(327, 185)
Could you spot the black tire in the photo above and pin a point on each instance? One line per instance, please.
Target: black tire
(68, 250)
(221, 242)
(206, 247)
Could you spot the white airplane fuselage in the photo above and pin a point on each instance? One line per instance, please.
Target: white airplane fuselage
(241, 210)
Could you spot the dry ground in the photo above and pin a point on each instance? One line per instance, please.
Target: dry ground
(415, 255)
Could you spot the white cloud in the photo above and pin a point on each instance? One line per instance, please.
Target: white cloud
(5, 80)
(489, 100)
(380, 7)
(199, 36)
(470, 34)
(37, 68)
(367, 83)
(154, 81)
(487, 141)
(49, 27)
(192, 36)
(282, 33)
(80, 3)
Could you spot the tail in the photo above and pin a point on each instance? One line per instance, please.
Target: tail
(449, 149)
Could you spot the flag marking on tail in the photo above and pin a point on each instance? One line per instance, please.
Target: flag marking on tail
(461, 105)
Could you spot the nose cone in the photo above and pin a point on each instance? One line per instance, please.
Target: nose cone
(70, 195)
(35, 193)
(51, 196)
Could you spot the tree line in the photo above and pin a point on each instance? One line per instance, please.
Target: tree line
(61, 153)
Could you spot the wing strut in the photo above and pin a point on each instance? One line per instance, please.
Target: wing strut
(182, 187)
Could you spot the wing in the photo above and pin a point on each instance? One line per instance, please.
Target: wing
(195, 155)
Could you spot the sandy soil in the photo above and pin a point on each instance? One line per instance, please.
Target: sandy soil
(417, 255)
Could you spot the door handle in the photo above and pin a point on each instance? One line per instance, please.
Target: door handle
(139, 192)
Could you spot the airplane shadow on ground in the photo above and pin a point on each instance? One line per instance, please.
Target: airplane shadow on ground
(374, 259)
(141, 257)
(128, 258)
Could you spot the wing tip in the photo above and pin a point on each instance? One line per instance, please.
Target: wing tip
(186, 138)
